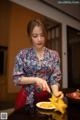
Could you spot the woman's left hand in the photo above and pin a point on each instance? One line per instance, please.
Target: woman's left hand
(59, 94)
(56, 91)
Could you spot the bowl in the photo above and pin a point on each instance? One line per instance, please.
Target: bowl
(74, 95)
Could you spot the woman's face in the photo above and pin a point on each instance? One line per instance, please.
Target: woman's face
(38, 37)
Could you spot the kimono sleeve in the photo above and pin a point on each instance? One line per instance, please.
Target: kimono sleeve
(18, 68)
(55, 77)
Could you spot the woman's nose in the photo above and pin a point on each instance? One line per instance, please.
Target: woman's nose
(39, 38)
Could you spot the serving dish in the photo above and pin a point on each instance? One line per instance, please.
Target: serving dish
(74, 95)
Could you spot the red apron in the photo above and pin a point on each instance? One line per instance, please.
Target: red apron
(22, 95)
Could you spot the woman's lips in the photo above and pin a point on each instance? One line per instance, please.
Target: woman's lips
(39, 43)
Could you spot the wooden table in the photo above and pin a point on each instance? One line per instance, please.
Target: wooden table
(28, 113)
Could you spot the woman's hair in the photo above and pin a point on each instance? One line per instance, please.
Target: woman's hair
(36, 22)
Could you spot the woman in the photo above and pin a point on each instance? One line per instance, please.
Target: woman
(37, 69)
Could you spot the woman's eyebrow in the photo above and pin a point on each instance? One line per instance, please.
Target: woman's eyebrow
(37, 33)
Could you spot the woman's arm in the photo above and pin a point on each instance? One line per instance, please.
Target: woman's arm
(27, 80)
(55, 77)
(41, 83)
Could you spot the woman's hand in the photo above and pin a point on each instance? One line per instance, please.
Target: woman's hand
(42, 84)
(59, 94)
(56, 92)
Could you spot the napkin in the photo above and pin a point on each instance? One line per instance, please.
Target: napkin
(59, 104)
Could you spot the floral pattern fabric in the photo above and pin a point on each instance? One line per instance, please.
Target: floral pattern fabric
(27, 64)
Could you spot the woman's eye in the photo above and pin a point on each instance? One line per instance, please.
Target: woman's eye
(34, 36)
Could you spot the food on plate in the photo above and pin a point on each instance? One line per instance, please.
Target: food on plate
(58, 103)
(46, 104)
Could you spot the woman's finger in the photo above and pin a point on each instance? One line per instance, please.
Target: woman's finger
(46, 87)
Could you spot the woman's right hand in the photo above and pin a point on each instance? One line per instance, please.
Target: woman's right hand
(42, 84)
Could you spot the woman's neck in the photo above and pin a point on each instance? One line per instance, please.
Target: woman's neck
(39, 50)
(40, 53)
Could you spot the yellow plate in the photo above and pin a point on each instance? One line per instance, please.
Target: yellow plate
(45, 105)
